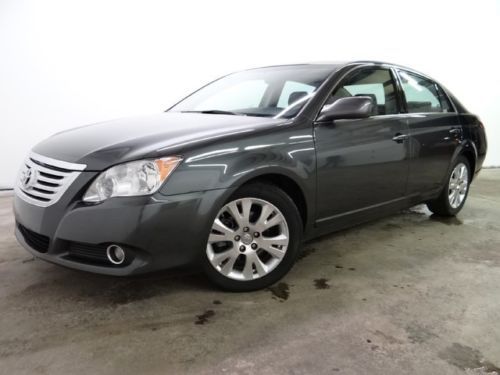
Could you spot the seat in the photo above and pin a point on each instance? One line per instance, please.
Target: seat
(296, 95)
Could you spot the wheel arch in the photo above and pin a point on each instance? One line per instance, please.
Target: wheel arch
(469, 151)
(289, 185)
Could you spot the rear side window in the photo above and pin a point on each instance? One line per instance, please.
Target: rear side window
(423, 95)
(377, 83)
(443, 98)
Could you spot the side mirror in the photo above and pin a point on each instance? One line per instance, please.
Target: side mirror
(352, 107)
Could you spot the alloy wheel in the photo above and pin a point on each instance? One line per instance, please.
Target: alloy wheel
(248, 239)
(458, 185)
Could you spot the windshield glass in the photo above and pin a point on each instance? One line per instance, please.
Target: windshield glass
(268, 92)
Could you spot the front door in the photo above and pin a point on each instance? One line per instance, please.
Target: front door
(362, 163)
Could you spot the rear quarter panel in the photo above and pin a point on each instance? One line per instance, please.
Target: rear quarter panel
(474, 138)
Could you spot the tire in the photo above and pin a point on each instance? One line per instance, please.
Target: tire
(254, 239)
(454, 194)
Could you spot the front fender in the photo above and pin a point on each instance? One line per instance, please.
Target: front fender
(287, 152)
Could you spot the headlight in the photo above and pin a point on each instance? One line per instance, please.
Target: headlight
(141, 177)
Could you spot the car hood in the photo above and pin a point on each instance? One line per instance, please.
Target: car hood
(170, 133)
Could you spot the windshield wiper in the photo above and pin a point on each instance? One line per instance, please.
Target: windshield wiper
(216, 112)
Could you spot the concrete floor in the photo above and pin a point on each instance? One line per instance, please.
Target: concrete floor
(407, 294)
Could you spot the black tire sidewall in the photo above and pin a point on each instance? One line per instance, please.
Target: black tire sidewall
(284, 203)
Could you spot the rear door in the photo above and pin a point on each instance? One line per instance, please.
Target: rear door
(435, 132)
(362, 163)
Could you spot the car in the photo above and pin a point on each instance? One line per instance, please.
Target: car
(236, 176)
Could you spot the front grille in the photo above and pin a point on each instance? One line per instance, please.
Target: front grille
(39, 242)
(42, 180)
(88, 252)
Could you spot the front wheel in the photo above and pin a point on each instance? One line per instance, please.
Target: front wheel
(454, 194)
(254, 239)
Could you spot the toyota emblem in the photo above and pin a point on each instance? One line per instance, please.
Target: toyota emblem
(27, 177)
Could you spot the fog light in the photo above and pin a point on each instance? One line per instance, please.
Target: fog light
(116, 254)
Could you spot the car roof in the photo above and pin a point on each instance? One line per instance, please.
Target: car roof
(334, 65)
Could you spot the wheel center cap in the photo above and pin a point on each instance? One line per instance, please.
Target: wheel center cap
(247, 238)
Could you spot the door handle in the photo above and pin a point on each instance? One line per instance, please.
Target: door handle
(455, 131)
(399, 138)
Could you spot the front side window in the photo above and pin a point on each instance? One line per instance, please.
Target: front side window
(267, 92)
(423, 95)
(377, 83)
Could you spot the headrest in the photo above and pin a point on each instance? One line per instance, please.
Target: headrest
(296, 95)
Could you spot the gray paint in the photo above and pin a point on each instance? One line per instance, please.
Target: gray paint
(348, 171)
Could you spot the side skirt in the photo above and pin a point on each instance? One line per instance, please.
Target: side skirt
(355, 217)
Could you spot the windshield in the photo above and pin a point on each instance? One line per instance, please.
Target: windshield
(267, 92)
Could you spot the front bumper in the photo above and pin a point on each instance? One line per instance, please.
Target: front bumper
(157, 232)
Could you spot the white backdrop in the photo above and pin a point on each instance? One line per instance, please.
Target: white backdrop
(69, 63)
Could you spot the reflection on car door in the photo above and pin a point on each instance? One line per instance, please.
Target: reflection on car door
(435, 132)
(359, 164)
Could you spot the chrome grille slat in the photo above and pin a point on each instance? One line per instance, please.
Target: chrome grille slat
(36, 198)
(57, 163)
(51, 176)
(49, 180)
(40, 168)
(42, 185)
(37, 193)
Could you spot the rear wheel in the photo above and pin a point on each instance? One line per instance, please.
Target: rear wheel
(254, 240)
(453, 196)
